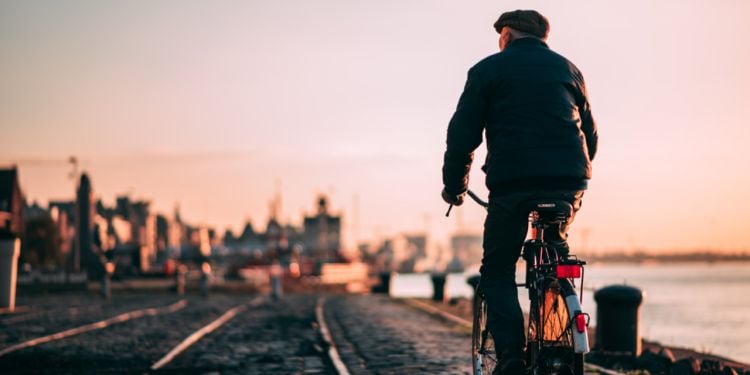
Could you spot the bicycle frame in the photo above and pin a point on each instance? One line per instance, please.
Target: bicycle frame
(546, 269)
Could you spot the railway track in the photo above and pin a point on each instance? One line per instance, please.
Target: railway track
(227, 333)
(205, 330)
(333, 353)
(120, 318)
(331, 334)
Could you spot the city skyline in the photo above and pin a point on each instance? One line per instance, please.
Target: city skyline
(209, 105)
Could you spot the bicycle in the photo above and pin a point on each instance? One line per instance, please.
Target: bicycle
(557, 337)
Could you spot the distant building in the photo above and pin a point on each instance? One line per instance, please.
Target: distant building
(85, 233)
(274, 234)
(229, 237)
(322, 234)
(419, 255)
(248, 233)
(176, 234)
(418, 243)
(88, 252)
(402, 253)
(162, 235)
(131, 233)
(248, 242)
(63, 213)
(294, 236)
(467, 250)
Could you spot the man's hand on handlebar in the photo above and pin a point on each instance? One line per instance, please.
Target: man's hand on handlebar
(452, 198)
(458, 199)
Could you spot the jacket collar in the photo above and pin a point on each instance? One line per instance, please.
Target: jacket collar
(527, 42)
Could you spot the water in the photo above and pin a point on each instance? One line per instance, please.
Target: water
(703, 306)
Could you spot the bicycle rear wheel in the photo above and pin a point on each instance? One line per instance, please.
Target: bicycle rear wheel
(551, 340)
(484, 356)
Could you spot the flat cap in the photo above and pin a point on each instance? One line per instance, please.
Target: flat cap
(527, 21)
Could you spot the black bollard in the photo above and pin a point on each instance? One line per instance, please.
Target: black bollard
(275, 274)
(438, 287)
(618, 314)
(10, 249)
(106, 290)
(385, 283)
(276, 290)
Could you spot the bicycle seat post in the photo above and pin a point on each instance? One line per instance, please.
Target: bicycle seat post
(542, 214)
(537, 234)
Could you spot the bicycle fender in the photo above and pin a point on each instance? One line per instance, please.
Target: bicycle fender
(580, 339)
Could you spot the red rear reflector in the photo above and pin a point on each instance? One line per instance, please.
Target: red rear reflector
(581, 323)
(568, 271)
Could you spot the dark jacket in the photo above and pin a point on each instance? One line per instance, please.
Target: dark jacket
(532, 106)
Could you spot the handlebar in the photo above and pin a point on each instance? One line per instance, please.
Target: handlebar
(475, 198)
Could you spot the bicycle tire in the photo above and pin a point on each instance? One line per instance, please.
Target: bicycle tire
(484, 357)
(556, 348)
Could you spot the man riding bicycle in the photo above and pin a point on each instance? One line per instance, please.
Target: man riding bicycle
(532, 106)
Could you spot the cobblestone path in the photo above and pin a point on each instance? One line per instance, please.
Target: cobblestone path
(378, 335)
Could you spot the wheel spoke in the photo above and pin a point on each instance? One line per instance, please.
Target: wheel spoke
(483, 351)
(555, 315)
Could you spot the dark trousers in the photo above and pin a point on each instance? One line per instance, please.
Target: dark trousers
(504, 233)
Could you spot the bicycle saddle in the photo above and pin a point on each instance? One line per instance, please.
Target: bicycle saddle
(550, 208)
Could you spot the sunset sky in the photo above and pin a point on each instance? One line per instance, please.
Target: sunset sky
(208, 103)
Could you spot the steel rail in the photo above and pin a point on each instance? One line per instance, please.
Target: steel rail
(205, 330)
(333, 353)
(124, 317)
